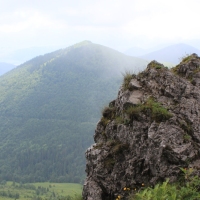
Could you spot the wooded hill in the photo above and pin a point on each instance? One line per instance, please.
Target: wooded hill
(49, 107)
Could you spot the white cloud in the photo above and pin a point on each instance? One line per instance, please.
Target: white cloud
(110, 22)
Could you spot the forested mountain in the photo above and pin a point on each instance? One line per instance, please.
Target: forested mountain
(49, 107)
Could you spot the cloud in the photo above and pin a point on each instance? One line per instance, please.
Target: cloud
(109, 22)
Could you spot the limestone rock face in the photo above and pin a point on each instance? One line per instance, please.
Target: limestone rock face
(147, 133)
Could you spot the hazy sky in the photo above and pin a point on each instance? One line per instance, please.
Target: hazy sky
(119, 24)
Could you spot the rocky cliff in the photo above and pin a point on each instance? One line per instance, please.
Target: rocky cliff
(149, 132)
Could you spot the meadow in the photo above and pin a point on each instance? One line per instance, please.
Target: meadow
(40, 191)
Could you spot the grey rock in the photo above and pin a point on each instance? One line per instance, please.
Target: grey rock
(139, 145)
(134, 84)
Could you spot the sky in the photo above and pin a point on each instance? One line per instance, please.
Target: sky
(119, 24)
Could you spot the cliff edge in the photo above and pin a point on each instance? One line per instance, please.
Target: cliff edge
(149, 132)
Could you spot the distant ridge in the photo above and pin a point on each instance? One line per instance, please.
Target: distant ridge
(5, 67)
(172, 54)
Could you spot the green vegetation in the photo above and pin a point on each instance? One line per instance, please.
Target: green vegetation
(119, 120)
(104, 121)
(109, 162)
(156, 65)
(109, 112)
(186, 189)
(49, 107)
(186, 58)
(40, 191)
(116, 147)
(127, 78)
(152, 108)
(187, 137)
(133, 112)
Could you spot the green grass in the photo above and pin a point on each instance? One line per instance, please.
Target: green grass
(127, 76)
(154, 109)
(40, 191)
(187, 58)
(186, 189)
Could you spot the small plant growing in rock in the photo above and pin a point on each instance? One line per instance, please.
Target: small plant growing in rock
(116, 146)
(156, 65)
(127, 78)
(158, 112)
(108, 112)
(119, 148)
(184, 60)
(187, 138)
(104, 121)
(152, 108)
(134, 111)
(119, 120)
(109, 162)
(187, 58)
(187, 127)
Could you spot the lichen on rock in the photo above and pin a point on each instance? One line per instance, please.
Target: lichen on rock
(147, 133)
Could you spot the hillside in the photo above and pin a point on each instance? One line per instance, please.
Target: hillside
(49, 107)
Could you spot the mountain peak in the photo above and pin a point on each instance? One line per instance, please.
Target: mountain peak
(83, 43)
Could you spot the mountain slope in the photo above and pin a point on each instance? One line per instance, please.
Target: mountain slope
(171, 54)
(49, 107)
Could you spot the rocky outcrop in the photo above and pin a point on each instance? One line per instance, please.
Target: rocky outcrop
(146, 134)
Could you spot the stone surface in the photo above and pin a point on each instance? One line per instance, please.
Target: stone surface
(132, 150)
